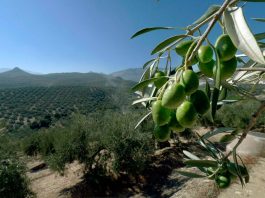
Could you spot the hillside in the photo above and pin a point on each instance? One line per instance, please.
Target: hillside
(28, 100)
(133, 74)
(19, 78)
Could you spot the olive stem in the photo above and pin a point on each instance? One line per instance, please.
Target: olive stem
(262, 69)
(163, 89)
(251, 124)
(187, 61)
(215, 18)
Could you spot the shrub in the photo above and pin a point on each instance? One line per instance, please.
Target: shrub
(83, 138)
(237, 115)
(13, 180)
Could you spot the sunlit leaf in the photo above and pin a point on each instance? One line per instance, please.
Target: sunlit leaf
(210, 11)
(149, 62)
(145, 83)
(144, 100)
(217, 131)
(145, 75)
(166, 44)
(201, 163)
(190, 174)
(240, 74)
(190, 155)
(241, 35)
(146, 30)
(143, 118)
(226, 102)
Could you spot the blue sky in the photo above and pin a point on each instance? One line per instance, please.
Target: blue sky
(48, 36)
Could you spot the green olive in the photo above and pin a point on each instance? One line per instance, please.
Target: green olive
(190, 81)
(160, 81)
(173, 96)
(225, 47)
(160, 114)
(186, 114)
(174, 124)
(200, 101)
(162, 133)
(205, 54)
(183, 47)
(223, 181)
(207, 68)
(227, 68)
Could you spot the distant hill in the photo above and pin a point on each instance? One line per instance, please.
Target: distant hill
(19, 78)
(4, 69)
(133, 74)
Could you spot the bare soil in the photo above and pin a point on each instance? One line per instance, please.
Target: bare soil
(160, 179)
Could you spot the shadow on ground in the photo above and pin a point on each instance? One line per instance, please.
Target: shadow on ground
(158, 180)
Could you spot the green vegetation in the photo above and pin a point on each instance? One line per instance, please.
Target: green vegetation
(40, 107)
(237, 115)
(13, 180)
(97, 138)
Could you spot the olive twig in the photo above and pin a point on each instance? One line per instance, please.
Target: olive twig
(262, 69)
(215, 18)
(251, 124)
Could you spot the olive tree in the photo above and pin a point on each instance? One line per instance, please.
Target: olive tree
(171, 93)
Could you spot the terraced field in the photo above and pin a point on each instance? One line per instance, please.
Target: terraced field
(29, 106)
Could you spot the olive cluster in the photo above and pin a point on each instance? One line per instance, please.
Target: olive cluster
(225, 174)
(182, 102)
(179, 106)
(226, 53)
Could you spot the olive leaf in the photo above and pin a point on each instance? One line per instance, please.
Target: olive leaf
(142, 119)
(210, 11)
(226, 102)
(146, 30)
(217, 131)
(166, 44)
(262, 45)
(240, 74)
(259, 19)
(149, 62)
(201, 163)
(190, 155)
(144, 100)
(145, 83)
(241, 35)
(237, 167)
(190, 174)
(260, 36)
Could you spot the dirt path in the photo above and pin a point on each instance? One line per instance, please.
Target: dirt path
(46, 183)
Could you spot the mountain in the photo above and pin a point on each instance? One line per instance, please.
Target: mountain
(133, 74)
(4, 69)
(19, 78)
(16, 72)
